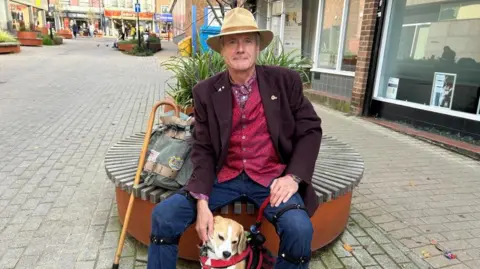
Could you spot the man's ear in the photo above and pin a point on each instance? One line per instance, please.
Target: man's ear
(242, 242)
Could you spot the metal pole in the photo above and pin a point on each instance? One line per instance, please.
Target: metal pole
(50, 24)
(138, 27)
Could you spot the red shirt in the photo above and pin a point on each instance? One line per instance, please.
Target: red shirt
(251, 148)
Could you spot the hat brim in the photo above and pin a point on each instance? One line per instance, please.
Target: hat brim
(266, 37)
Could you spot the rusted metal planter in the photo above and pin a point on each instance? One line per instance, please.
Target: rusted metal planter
(29, 38)
(127, 47)
(329, 221)
(67, 34)
(9, 47)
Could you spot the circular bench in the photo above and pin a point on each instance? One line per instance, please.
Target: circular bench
(338, 170)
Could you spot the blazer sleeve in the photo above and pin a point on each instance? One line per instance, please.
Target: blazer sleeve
(307, 135)
(202, 154)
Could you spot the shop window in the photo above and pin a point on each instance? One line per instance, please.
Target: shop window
(433, 61)
(339, 34)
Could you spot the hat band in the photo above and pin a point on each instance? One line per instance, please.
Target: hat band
(238, 28)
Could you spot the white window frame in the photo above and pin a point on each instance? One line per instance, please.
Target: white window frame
(341, 48)
(381, 55)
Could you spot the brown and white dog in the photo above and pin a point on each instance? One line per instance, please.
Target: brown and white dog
(228, 240)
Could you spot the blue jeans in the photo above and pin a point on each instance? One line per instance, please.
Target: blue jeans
(172, 217)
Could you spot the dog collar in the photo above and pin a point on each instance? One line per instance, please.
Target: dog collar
(213, 263)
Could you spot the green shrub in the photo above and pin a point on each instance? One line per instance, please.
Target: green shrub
(6, 37)
(46, 40)
(140, 51)
(188, 71)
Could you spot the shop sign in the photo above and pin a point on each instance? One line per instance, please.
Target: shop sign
(79, 15)
(165, 17)
(119, 14)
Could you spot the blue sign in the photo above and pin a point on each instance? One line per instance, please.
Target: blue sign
(164, 17)
(137, 8)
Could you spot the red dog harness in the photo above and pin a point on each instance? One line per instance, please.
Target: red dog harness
(249, 251)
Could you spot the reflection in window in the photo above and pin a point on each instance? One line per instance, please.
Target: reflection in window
(352, 37)
(330, 33)
(434, 59)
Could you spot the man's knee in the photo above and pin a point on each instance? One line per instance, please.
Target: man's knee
(171, 217)
(297, 225)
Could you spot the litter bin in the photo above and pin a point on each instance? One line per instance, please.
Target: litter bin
(205, 33)
(185, 46)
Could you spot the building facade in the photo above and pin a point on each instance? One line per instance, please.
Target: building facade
(79, 12)
(412, 61)
(163, 19)
(120, 14)
(30, 12)
(426, 65)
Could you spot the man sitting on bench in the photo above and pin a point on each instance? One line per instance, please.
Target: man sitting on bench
(255, 135)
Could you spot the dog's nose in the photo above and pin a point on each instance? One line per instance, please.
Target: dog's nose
(227, 254)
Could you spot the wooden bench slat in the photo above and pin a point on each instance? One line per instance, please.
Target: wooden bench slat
(155, 195)
(338, 169)
(145, 193)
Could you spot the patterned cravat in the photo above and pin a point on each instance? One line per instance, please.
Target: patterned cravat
(242, 92)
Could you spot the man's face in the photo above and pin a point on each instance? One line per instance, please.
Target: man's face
(240, 51)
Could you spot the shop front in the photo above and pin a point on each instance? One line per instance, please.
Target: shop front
(428, 68)
(30, 13)
(120, 19)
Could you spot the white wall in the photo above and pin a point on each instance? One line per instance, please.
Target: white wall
(3, 14)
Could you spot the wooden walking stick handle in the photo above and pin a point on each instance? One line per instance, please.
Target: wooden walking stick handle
(141, 163)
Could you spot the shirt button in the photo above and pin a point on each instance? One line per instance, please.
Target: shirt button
(244, 126)
(244, 149)
(243, 137)
(243, 116)
(244, 160)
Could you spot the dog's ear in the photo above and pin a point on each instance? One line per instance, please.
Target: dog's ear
(242, 241)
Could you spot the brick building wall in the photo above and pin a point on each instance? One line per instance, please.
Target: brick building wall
(363, 60)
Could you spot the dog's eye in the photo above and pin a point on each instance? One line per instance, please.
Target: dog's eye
(221, 237)
(234, 242)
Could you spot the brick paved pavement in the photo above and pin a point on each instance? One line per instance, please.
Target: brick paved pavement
(414, 192)
(62, 107)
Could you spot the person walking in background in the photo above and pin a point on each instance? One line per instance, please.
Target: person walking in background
(75, 30)
(91, 28)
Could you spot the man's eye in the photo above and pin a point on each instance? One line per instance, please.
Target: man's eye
(234, 242)
(221, 237)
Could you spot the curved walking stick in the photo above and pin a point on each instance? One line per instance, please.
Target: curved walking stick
(141, 163)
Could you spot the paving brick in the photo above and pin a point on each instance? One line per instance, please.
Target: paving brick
(395, 253)
(330, 260)
(370, 245)
(11, 257)
(386, 262)
(351, 262)
(27, 262)
(377, 235)
(441, 261)
(363, 257)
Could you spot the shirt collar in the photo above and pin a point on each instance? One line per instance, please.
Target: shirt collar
(247, 84)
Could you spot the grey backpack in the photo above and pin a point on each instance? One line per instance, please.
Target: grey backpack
(167, 163)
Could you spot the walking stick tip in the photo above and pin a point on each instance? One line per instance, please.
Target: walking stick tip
(115, 266)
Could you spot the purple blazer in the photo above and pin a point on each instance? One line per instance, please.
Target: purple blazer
(293, 124)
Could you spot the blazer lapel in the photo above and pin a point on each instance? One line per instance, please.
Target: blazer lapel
(271, 104)
(222, 104)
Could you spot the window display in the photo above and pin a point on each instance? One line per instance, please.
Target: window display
(338, 36)
(430, 57)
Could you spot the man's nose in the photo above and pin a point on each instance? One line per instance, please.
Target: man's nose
(227, 254)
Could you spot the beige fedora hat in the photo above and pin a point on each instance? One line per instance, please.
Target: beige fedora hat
(240, 21)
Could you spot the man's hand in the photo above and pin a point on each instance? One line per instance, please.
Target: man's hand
(204, 225)
(282, 189)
